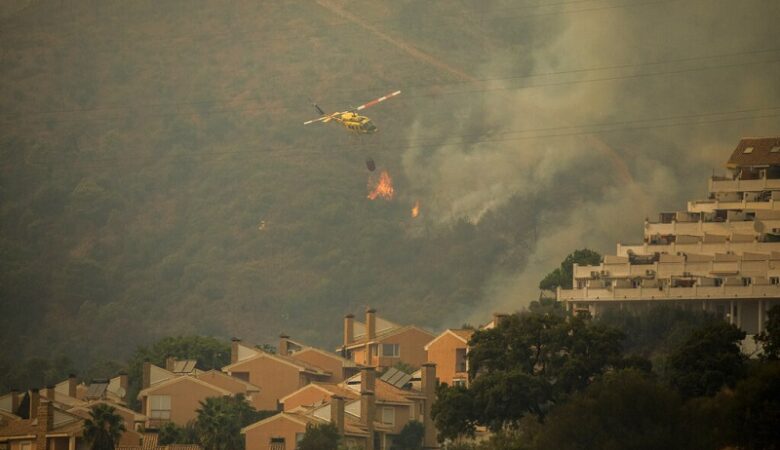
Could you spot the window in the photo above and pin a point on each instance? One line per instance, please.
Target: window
(460, 360)
(388, 415)
(160, 406)
(241, 375)
(747, 150)
(298, 439)
(25, 445)
(459, 382)
(277, 443)
(391, 350)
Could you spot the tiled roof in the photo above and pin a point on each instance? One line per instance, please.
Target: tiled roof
(387, 333)
(756, 152)
(465, 334)
(344, 361)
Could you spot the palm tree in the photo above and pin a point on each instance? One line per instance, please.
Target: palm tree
(104, 427)
(220, 420)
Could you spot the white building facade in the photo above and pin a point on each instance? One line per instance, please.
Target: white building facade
(721, 255)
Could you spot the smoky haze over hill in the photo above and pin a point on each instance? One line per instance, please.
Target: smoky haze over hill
(156, 178)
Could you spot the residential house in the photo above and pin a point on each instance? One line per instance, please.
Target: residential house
(367, 412)
(448, 351)
(167, 396)
(65, 406)
(380, 343)
(150, 441)
(276, 375)
(340, 368)
(45, 427)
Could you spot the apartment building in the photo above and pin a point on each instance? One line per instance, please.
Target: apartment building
(722, 254)
(380, 343)
(366, 411)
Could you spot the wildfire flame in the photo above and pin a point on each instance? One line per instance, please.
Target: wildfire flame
(416, 209)
(383, 189)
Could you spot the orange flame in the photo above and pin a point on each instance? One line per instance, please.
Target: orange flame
(384, 187)
(416, 209)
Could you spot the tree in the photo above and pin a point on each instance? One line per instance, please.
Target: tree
(220, 419)
(170, 433)
(770, 336)
(320, 437)
(708, 360)
(410, 437)
(525, 365)
(453, 412)
(624, 410)
(104, 427)
(755, 415)
(562, 276)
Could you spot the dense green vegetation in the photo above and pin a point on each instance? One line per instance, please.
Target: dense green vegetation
(103, 428)
(550, 392)
(320, 437)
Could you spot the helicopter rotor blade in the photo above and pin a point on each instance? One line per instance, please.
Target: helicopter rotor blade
(326, 118)
(319, 119)
(374, 102)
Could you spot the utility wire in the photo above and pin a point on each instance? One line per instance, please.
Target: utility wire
(232, 33)
(546, 133)
(12, 115)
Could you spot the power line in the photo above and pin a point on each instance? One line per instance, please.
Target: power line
(232, 32)
(471, 91)
(548, 132)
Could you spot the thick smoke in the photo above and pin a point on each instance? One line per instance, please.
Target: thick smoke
(618, 178)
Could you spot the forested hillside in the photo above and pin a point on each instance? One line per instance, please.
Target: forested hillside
(156, 178)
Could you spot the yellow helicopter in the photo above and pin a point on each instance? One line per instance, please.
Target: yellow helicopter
(350, 119)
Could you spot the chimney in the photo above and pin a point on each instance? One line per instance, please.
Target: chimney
(147, 375)
(337, 413)
(284, 348)
(72, 385)
(370, 335)
(14, 401)
(370, 324)
(367, 379)
(45, 415)
(367, 415)
(170, 363)
(428, 387)
(234, 350)
(35, 399)
(498, 318)
(123, 380)
(349, 329)
(49, 392)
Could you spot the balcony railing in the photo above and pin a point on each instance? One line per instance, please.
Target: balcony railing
(719, 184)
(699, 248)
(670, 293)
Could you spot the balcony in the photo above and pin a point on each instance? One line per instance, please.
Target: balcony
(703, 248)
(712, 205)
(722, 184)
(671, 293)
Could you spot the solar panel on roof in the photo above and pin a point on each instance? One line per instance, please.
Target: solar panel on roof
(396, 377)
(389, 373)
(96, 390)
